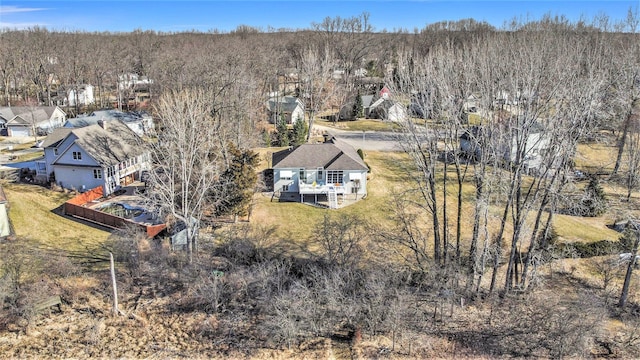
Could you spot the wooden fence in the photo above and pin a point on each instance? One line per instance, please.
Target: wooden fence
(77, 206)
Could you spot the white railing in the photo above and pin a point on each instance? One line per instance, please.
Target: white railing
(320, 189)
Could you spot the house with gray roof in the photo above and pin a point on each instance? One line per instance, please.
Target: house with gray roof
(140, 122)
(317, 171)
(107, 154)
(290, 108)
(30, 120)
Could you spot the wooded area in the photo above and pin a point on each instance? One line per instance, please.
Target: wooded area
(468, 264)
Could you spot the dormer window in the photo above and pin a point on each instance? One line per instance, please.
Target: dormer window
(77, 155)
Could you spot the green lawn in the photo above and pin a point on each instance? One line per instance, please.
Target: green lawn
(360, 125)
(297, 221)
(34, 219)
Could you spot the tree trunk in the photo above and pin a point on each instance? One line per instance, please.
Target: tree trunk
(627, 277)
(116, 311)
(621, 142)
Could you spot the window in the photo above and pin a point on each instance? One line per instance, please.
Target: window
(320, 174)
(285, 188)
(301, 175)
(286, 174)
(334, 176)
(77, 155)
(55, 151)
(111, 171)
(97, 173)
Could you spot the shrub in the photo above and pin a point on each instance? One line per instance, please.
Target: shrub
(594, 202)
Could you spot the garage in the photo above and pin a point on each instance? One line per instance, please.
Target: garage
(18, 130)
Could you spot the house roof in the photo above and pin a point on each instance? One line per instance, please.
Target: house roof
(56, 137)
(108, 146)
(26, 115)
(367, 100)
(108, 115)
(284, 104)
(331, 155)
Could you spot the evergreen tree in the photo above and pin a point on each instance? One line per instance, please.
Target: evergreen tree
(594, 201)
(239, 181)
(299, 132)
(358, 109)
(282, 132)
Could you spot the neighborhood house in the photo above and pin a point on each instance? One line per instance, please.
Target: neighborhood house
(289, 108)
(30, 120)
(140, 122)
(320, 171)
(108, 154)
(537, 143)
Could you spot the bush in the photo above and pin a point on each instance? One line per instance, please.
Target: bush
(587, 250)
(594, 201)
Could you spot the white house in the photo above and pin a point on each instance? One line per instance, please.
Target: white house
(84, 96)
(30, 120)
(506, 143)
(289, 107)
(132, 81)
(140, 122)
(108, 154)
(309, 171)
(388, 110)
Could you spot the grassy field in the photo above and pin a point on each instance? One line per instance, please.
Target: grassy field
(360, 125)
(385, 175)
(297, 221)
(34, 217)
(596, 157)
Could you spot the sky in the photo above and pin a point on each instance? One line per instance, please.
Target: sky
(226, 15)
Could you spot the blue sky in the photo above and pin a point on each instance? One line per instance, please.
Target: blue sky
(205, 15)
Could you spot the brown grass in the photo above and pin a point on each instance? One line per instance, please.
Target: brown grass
(34, 213)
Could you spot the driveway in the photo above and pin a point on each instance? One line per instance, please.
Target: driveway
(365, 140)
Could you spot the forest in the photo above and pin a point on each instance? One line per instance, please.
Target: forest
(466, 255)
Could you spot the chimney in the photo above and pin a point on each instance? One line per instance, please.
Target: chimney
(103, 123)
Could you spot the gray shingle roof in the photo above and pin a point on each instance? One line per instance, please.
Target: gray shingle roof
(285, 104)
(27, 114)
(331, 155)
(111, 146)
(107, 115)
(56, 137)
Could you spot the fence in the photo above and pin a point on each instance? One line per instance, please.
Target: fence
(77, 206)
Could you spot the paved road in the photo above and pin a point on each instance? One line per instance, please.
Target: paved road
(369, 140)
(373, 140)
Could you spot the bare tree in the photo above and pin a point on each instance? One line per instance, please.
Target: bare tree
(188, 156)
(632, 263)
(318, 86)
(632, 178)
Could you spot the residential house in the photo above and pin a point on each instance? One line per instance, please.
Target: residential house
(81, 95)
(324, 170)
(133, 81)
(140, 122)
(388, 110)
(107, 154)
(346, 112)
(506, 142)
(290, 108)
(30, 120)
